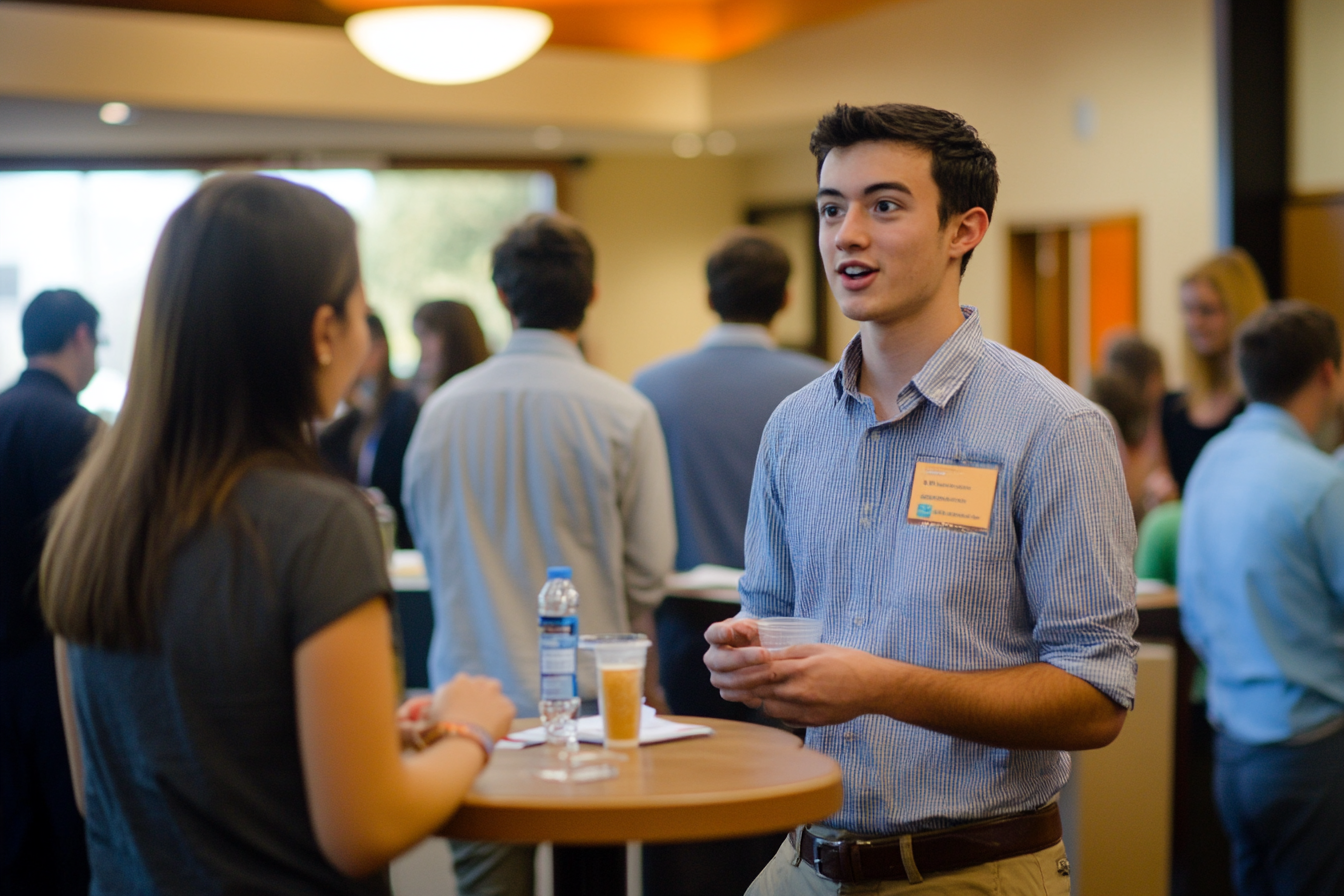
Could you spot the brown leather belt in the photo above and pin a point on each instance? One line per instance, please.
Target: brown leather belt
(912, 856)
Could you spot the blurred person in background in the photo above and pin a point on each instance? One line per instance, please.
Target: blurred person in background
(225, 601)
(1131, 386)
(713, 404)
(1261, 579)
(1215, 298)
(1132, 358)
(43, 436)
(1130, 418)
(368, 444)
(451, 341)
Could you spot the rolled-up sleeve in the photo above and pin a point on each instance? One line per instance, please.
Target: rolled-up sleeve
(1076, 556)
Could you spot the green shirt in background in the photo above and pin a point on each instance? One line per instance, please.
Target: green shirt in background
(1159, 533)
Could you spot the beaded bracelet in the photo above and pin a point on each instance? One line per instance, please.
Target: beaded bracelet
(438, 730)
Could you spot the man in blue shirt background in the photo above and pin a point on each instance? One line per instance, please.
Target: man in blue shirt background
(713, 404)
(1261, 578)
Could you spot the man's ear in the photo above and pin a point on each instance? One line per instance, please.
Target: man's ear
(968, 230)
(503, 300)
(80, 337)
(592, 299)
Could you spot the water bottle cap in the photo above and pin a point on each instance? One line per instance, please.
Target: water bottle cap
(559, 572)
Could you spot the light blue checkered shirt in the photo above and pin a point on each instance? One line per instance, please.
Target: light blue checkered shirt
(1052, 580)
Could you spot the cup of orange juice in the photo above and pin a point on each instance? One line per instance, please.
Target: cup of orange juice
(620, 692)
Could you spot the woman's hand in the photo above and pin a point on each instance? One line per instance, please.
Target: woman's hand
(411, 717)
(475, 699)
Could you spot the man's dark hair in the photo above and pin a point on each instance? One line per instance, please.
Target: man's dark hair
(544, 266)
(1134, 358)
(52, 317)
(747, 273)
(1124, 400)
(963, 166)
(1280, 348)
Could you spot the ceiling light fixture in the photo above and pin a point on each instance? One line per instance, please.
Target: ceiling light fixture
(115, 113)
(448, 44)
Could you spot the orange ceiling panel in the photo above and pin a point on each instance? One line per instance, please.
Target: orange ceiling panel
(692, 30)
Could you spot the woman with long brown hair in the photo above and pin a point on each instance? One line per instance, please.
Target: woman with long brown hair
(367, 446)
(451, 341)
(226, 602)
(1215, 298)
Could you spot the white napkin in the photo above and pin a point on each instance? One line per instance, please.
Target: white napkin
(653, 729)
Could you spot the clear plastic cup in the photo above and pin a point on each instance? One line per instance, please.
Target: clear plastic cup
(620, 695)
(778, 632)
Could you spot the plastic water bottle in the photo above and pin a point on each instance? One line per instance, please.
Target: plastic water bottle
(558, 627)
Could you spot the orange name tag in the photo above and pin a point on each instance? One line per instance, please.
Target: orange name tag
(953, 495)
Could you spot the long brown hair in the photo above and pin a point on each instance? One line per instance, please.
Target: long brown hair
(463, 342)
(222, 380)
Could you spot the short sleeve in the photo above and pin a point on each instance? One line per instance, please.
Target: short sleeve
(337, 567)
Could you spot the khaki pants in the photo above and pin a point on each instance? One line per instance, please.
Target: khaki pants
(1041, 873)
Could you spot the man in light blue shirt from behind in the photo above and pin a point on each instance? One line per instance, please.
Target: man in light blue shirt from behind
(1261, 578)
(532, 459)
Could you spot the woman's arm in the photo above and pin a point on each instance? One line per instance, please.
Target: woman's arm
(73, 751)
(369, 802)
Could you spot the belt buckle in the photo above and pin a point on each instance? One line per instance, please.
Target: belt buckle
(816, 854)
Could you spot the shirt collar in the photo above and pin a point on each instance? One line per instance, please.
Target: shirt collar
(36, 375)
(1263, 416)
(529, 341)
(941, 376)
(727, 335)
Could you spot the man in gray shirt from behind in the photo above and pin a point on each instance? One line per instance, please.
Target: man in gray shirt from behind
(534, 459)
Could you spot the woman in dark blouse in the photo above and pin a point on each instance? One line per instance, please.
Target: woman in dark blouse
(368, 444)
(1215, 298)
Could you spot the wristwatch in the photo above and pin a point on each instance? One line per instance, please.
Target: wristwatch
(435, 731)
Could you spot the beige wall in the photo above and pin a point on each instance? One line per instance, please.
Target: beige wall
(651, 220)
(1316, 97)
(1015, 71)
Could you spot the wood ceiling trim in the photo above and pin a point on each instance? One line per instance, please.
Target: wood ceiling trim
(683, 30)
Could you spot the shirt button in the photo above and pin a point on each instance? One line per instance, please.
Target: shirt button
(849, 735)
(858, 620)
(875, 436)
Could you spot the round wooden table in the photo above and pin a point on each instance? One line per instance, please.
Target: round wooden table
(742, 780)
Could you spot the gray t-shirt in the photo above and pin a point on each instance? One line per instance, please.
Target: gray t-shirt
(194, 779)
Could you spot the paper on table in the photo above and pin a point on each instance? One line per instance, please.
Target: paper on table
(653, 729)
(707, 582)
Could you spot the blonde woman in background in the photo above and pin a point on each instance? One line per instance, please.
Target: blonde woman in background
(1215, 298)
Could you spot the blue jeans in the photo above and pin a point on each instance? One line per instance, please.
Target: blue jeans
(1283, 808)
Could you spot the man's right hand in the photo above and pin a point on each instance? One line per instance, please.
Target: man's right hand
(737, 662)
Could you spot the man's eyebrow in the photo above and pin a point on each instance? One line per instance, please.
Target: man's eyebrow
(888, 185)
(871, 188)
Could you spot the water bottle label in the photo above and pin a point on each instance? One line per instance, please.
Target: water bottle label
(559, 657)
(559, 687)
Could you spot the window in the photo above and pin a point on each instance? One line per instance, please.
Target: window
(423, 234)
